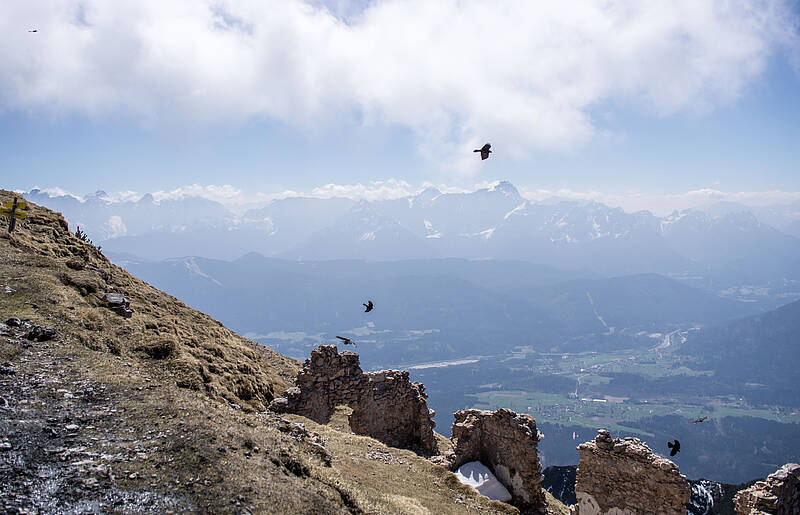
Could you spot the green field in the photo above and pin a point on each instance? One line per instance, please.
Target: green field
(590, 405)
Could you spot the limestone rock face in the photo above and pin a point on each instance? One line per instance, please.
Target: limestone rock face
(779, 493)
(506, 443)
(623, 476)
(386, 405)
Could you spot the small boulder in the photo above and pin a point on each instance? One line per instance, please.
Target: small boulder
(279, 405)
(119, 304)
(39, 333)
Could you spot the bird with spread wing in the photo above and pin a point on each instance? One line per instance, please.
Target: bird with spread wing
(484, 150)
(347, 341)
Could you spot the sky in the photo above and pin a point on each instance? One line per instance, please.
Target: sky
(656, 104)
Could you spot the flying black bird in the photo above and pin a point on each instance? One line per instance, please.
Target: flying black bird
(701, 419)
(33, 30)
(676, 447)
(484, 150)
(368, 305)
(347, 341)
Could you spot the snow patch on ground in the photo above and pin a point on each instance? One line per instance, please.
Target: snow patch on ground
(478, 476)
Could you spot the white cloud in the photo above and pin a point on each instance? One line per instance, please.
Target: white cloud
(122, 196)
(457, 72)
(114, 228)
(374, 190)
(56, 192)
(222, 194)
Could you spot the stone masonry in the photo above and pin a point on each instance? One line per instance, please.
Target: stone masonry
(386, 405)
(506, 443)
(779, 493)
(623, 476)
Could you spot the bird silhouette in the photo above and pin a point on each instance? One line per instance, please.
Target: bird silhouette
(701, 419)
(485, 151)
(33, 30)
(676, 447)
(347, 341)
(368, 305)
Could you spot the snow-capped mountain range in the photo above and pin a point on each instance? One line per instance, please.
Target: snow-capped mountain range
(725, 246)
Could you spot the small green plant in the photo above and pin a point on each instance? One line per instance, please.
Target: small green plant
(82, 235)
(85, 237)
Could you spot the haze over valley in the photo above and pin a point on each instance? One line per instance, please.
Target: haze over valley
(475, 295)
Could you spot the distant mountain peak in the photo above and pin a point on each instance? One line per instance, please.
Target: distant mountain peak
(427, 194)
(506, 188)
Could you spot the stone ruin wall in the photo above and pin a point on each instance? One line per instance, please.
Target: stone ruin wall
(506, 443)
(623, 476)
(386, 405)
(779, 493)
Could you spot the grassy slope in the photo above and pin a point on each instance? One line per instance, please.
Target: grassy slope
(180, 433)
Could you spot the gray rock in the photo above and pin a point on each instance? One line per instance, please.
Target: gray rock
(116, 299)
(279, 405)
(40, 334)
(118, 303)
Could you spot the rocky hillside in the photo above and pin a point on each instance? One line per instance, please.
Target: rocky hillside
(164, 409)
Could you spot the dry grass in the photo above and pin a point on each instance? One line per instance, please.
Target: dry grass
(397, 478)
(71, 277)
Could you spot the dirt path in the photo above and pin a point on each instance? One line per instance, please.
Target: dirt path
(61, 435)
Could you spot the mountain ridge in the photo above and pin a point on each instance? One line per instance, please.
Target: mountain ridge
(728, 251)
(163, 410)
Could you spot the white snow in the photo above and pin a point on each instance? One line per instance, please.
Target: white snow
(596, 228)
(487, 233)
(518, 208)
(429, 228)
(479, 477)
(191, 265)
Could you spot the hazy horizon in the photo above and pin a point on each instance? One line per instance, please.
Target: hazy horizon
(238, 200)
(629, 104)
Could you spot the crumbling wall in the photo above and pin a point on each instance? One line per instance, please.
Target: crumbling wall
(779, 493)
(506, 443)
(623, 476)
(386, 405)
